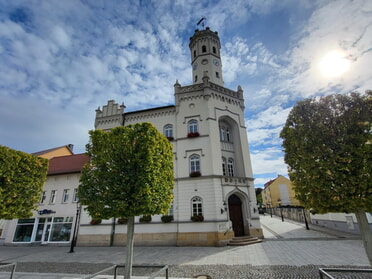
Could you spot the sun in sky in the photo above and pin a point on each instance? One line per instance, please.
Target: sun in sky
(334, 64)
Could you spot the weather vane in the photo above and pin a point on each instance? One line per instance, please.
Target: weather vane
(202, 21)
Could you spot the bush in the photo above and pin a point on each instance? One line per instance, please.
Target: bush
(167, 218)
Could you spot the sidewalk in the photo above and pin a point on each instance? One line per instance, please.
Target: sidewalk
(287, 244)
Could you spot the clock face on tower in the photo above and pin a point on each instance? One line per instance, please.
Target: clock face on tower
(215, 62)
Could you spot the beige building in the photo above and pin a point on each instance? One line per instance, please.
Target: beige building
(212, 165)
(55, 218)
(279, 192)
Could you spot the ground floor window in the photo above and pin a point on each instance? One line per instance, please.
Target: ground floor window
(24, 230)
(46, 229)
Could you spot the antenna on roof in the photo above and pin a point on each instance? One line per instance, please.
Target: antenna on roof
(201, 21)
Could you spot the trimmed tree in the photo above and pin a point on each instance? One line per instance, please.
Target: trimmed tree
(22, 177)
(328, 148)
(130, 173)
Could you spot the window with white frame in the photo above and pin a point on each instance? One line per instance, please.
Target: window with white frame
(197, 206)
(225, 134)
(193, 126)
(75, 197)
(66, 195)
(194, 163)
(43, 197)
(168, 131)
(53, 195)
(230, 167)
(223, 166)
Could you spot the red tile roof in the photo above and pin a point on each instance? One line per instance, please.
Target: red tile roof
(67, 164)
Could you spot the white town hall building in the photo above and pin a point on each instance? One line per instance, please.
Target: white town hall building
(212, 166)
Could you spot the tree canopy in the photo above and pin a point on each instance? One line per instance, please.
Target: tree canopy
(22, 177)
(130, 172)
(328, 147)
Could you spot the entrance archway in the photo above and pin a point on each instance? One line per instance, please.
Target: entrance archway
(236, 215)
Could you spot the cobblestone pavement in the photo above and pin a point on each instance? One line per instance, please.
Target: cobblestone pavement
(75, 270)
(288, 251)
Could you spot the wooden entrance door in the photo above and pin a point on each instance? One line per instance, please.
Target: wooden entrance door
(236, 215)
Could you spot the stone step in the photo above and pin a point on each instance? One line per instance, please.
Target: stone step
(243, 240)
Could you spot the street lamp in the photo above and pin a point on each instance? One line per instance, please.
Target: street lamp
(74, 236)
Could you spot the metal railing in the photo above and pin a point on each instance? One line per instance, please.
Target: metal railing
(324, 272)
(116, 267)
(13, 265)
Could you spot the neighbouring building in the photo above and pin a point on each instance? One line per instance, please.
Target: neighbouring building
(212, 165)
(55, 218)
(279, 192)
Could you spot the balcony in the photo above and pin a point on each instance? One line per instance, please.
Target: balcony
(227, 146)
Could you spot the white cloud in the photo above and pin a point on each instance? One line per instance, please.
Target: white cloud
(270, 160)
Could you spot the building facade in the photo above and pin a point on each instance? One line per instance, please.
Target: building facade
(212, 166)
(279, 192)
(55, 218)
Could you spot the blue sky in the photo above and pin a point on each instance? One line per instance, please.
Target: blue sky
(60, 60)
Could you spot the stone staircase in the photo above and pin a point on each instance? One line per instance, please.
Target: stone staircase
(243, 240)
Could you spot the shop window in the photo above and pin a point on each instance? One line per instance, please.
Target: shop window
(24, 230)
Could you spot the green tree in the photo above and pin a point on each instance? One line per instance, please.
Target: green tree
(328, 148)
(130, 173)
(22, 177)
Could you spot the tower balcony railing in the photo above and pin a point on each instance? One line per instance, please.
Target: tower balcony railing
(227, 146)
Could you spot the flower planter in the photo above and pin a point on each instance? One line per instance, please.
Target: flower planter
(193, 135)
(195, 174)
(122, 220)
(95, 221)
(197, 218)
(167, 218)
(145, 219)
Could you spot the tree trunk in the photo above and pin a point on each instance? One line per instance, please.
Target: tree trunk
(366, 233)
(130, 240)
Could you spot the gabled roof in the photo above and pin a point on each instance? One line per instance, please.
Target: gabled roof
(67, 164)
(63, 149)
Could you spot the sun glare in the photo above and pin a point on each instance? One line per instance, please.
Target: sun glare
(334, 64)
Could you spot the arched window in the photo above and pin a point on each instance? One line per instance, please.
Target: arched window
(194, 53)
(225, 133)
(230, 167)
(194, 164)
(214, 49)
(204, 49)
(196, 206)
(168, 131)
(193, 126)
(224, 166)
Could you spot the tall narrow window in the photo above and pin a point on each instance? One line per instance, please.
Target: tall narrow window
(194, 164)
(224, 166)
(197, 206)
(193, 126)
(228, 136)
(194, 53)
(168, 131)
(43, 197)
(214, 49)
(66, 195)
(170, 210)
(53, 195)
(230, 167)
(75, 197)
(223, 134)
(204, 49)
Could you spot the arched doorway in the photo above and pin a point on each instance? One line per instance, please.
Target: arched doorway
(236, 215)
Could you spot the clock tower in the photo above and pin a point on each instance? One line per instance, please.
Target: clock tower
(205, 56)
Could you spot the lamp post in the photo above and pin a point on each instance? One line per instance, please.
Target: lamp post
(74, 236)
(307, 225)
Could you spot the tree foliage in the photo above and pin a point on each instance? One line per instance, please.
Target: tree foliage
(130, 172)
(22, 177)
(328, 147)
